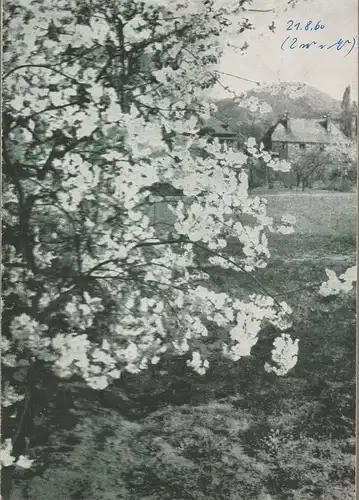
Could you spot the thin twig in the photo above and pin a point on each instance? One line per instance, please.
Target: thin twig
(44, 66)
(241, 268)
(236, 76)
(259, 10)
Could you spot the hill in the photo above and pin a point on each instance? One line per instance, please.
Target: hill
(298, 99)
(267, 103)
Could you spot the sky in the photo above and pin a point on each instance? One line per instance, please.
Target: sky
(264, 61)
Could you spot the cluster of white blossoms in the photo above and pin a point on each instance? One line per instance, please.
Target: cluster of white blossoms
(249, 320)
(198, 364)
(7, 459)
(284, 355)
(260, 153)
(338, 284)
(286, 225)
(9, 396)
(28, 333)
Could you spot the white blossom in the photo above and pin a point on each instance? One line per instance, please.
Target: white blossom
(284, 354)
(335, 285)
(24, 462)
(9, 396)
(6, 459)
(198, 364)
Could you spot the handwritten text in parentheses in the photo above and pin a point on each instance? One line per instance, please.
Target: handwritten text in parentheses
(345, 46)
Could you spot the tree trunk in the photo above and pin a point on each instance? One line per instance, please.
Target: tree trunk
(19, 437)
(6, 482)
(250, 180)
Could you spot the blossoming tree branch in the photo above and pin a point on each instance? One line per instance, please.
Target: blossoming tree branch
(103, 102)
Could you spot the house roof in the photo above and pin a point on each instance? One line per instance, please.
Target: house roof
(307, 130)
(219, 127)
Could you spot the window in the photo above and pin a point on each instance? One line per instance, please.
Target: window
(301, 146)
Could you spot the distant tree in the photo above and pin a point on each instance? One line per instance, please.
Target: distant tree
(254, 129)
(317, 163)
(347, 112)
(355, 116)
(308, 167)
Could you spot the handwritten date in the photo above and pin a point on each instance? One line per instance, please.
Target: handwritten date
(307, 26)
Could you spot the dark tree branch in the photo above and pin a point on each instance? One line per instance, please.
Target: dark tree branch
(240, 267)
(173, 241)
(44, 66)
(26, 406)
(259, 10)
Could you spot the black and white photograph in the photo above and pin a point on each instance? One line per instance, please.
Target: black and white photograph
(179, 212)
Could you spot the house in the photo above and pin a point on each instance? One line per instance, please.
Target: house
(223, 132)
(289, 137)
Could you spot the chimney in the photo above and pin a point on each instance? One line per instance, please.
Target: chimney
(285, 119)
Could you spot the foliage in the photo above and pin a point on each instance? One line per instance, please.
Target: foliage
(342, 179)
(317, 163)
(257, 175)
(194, 452)
(176, 454)
(305, 468)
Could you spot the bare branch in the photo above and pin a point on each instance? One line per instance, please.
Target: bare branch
(44, 66)
(238, 77)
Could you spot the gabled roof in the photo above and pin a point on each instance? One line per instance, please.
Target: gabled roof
(220, 127)
(307, 130)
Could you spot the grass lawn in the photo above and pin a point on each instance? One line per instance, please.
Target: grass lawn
(325, 238)
(318, 213)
